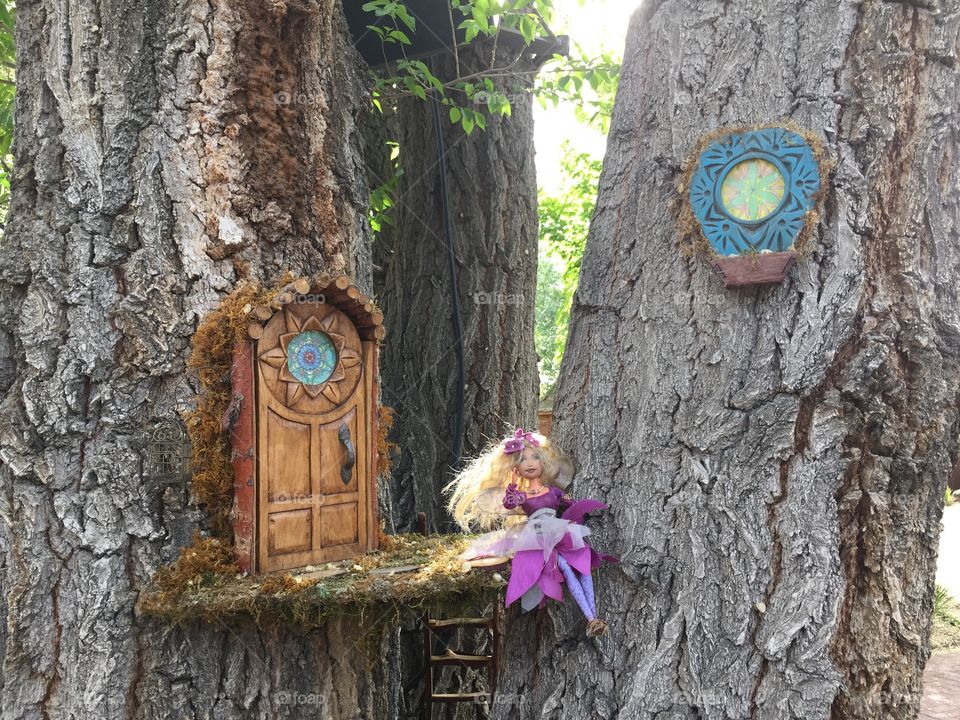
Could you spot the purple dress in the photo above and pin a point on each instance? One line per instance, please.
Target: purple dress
(537, 545)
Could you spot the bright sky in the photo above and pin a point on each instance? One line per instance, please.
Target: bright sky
(598, 26)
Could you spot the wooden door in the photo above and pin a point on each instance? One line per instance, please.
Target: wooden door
(312, 439)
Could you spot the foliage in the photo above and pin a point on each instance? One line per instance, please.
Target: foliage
(944, 607)
(948, 498)
(7, 88)
(473, 97)
(383, 196)
(564, 223)
(548, 333)
(589, 83)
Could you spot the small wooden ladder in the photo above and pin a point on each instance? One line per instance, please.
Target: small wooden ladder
(452, 657)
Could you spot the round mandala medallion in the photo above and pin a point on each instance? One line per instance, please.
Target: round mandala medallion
(752, 190)
(311, 357)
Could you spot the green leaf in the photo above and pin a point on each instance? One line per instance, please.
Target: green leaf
(528, 28)
(455, 115)
(434, 81)
(413, 86)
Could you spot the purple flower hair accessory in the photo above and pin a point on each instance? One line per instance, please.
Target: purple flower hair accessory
(515, 443)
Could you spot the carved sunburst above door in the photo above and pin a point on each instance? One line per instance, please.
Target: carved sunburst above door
(312, 356)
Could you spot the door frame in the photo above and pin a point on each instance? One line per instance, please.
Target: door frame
(367, 319)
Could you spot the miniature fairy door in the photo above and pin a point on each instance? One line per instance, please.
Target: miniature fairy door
(313, 438)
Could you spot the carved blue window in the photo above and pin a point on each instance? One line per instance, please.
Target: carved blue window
(751, 191)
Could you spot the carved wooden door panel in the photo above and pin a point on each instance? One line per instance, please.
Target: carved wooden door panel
(312, 453)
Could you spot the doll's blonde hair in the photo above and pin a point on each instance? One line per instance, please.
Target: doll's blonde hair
(491, 472)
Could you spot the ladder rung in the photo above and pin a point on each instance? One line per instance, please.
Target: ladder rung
(458, 622)
(452, 658)
(460, 697)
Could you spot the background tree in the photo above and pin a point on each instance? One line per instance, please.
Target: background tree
(774, 457)
(163, 152)
(485, 89)
(491, 193)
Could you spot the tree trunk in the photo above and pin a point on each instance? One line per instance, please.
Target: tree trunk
(493, 206)
(163, 152)
(774, 457)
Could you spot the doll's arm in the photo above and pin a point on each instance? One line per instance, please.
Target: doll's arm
(513, 498)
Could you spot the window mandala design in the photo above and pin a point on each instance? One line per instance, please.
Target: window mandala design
(311, 357)
(752, 191)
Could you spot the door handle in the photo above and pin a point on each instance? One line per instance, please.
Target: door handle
(346, 472)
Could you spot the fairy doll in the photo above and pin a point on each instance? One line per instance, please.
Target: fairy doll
(517, 486)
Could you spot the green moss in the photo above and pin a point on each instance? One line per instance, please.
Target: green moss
(211, 359)
(385, 448)
(207, 591)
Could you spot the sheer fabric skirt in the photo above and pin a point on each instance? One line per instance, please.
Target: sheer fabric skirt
(543, 531)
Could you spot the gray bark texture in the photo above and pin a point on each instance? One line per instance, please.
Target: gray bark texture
(493, 206)
(774, 457)
(164, 151)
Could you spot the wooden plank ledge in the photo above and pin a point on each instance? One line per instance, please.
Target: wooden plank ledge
(458, 622)
(452, 658)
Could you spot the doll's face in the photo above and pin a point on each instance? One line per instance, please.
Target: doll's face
(529, 465)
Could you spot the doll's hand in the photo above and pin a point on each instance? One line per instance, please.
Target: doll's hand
(513, 497)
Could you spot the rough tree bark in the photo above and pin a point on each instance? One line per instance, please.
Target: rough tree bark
(774, 458)
(492, 194)
(164, 150)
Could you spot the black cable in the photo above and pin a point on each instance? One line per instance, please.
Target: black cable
(459, 422)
